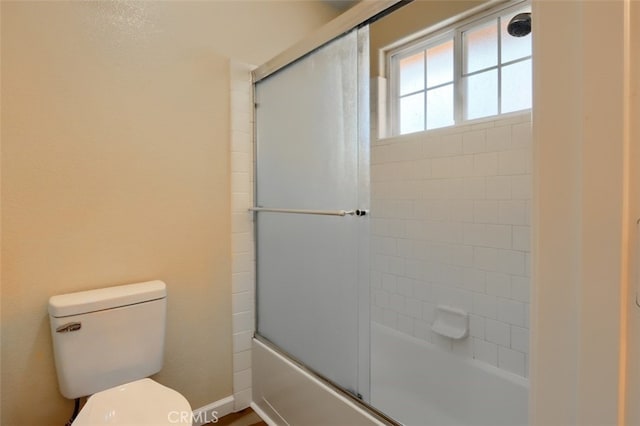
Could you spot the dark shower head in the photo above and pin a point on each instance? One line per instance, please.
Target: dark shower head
(520, 25)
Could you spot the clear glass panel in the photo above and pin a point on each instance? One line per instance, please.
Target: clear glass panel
(439, 239)
(516, 87)
(307, 158)
(440, 64)
(412, 113)
(481, 47)
(513, 48)
(440, 107)
(411, 73)
(481, 94)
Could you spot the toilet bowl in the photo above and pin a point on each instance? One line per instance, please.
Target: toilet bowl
(142, 402)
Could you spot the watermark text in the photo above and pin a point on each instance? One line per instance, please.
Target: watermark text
(187, 417)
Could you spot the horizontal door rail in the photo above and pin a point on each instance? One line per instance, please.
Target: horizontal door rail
(300, 211)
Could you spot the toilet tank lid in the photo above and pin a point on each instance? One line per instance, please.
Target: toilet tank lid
(83, 302)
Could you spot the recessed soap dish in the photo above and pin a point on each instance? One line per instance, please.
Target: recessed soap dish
(451, 322)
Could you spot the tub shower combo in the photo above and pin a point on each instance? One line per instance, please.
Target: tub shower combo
(392, 271)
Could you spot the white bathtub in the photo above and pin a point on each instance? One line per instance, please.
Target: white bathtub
(419, 384)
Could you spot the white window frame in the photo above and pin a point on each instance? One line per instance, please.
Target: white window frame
(430, 39)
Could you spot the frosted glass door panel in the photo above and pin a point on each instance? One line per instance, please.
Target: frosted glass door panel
(307, 131)
(307, 159)
(308, 291)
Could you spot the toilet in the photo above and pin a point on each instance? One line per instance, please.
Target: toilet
(106, 343)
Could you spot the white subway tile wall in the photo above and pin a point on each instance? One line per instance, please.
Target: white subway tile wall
(242, 240)
(451, 225)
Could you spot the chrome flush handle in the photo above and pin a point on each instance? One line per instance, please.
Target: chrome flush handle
(71, 326)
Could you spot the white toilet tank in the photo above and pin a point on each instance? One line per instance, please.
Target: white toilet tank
(107, 337)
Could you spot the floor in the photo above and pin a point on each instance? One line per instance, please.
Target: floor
(246, 417)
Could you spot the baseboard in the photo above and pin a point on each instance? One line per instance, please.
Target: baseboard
(212, 412)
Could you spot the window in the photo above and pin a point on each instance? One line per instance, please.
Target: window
(469, 71)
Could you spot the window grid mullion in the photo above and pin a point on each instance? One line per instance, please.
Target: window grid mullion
(515, 61)
(499, 61)
(406, 95)
(424, 100)
(506, 64)
(458, 104)
(482, 71)
(437, 86)
(396, 95)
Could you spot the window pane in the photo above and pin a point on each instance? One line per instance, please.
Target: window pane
(516, 86)
(440, 64)
(411, 73)
(412, 113)
(481, 47)
(481, 94)
(513, 47)
(440, 107)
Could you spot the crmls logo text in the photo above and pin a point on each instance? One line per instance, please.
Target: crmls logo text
(187, 417)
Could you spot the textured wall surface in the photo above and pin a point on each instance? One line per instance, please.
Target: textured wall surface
(633, 332)
(116, 169)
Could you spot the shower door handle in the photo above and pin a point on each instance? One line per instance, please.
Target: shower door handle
(358, 212)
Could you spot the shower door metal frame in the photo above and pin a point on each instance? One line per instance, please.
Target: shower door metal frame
(364, 199)
(361, 209)
(355, 17)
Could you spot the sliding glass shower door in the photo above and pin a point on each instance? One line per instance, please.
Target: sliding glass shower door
(311, 199)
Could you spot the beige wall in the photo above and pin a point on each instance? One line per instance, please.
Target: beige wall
(633, 332)
(410, 19)
(115, 169)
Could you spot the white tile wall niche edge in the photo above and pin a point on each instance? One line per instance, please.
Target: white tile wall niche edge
(242, 251)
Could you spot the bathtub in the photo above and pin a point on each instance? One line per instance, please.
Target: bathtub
(419, 384)
(283, 393)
